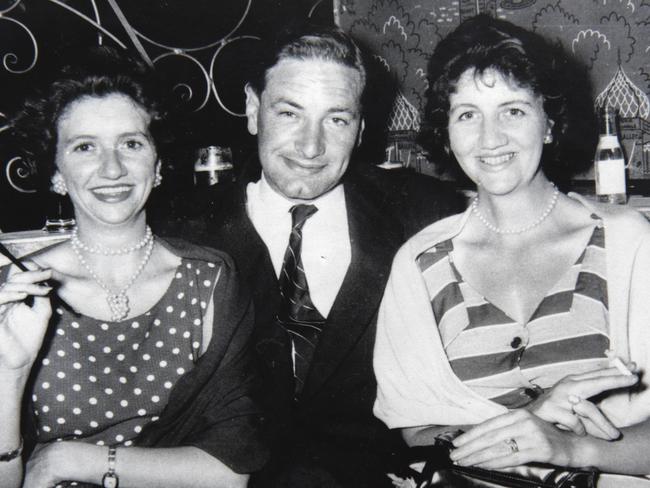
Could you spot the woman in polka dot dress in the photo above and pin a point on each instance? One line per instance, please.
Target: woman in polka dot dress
(134, 370)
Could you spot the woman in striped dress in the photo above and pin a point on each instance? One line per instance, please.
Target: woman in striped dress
(508, 321)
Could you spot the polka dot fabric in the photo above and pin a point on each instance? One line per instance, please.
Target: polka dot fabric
(103, 382)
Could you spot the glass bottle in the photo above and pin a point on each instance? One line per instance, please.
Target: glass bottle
(609, 163)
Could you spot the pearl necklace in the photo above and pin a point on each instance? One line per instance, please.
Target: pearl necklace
(118, 302)
(96, 249)
(521, 230)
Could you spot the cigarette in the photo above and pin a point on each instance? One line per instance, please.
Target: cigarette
(617, 363)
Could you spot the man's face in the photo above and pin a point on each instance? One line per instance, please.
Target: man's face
(308, 121)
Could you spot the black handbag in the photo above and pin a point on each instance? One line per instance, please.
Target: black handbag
(440, 472)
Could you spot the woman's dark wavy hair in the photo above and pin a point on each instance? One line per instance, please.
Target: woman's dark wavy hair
(95, 72)
(484, 42)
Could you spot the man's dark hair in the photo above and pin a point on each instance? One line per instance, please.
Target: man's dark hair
(306, 41)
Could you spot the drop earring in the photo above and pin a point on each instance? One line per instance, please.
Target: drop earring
(548, 138)
(58, 185)
(157, 179)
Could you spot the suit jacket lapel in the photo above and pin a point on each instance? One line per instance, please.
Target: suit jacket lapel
(374, 242)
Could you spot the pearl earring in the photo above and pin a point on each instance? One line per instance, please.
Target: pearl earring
(157, 179)
(548, 138)
(58, 185)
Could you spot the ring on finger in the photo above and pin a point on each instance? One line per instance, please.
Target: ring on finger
(573, 401)
(512, 445)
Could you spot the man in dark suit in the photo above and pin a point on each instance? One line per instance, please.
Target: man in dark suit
(315, 242)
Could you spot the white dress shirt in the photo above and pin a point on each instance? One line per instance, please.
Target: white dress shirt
(326, 250)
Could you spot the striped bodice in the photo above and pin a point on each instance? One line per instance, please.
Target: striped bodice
(510, 362)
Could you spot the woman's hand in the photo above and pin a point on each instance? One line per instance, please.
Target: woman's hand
(22, 327)
(54, 462)
(567, 404)
(515, 438)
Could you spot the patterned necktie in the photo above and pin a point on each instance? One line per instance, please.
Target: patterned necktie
(297, 313)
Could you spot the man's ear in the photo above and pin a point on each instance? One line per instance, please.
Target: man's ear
(252, 108)
(362, 126)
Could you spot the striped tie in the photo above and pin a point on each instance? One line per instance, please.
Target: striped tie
(297, 313)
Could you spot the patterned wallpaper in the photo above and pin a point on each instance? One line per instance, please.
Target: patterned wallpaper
(611, 37)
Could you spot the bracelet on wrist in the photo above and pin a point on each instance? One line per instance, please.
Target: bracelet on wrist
(13, 454)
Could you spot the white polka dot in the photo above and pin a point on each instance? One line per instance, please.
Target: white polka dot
(190, 356)
(75, 325)
(146, 356)
(76, 410)
(34, 398)
(121, 337)
(100, 443)
(176, 350)
(146, 336)
(46, 428)
(109, 414)
(135, 346)
(60, 375)
(186, 334)
(150, 377)
(124, 403)
(196, 345)
(60, 353)
(189, 265)
(76, 345)
(172, 330)
(107, 370)
(180, 295)
(142, 412)
(128, 443)
(169, 309)
(155, 398)
(180, 370)
(108, 391)
(160, 343)
(60, 398)
(123, 380)
(137, 391)
(92, 359)
(92, 401)
(106, 349)
(138, 428)
(76, 387)
(60, 312)
(154, 418)
(120, 357)
(91, 338)
(46, 361)
(94, 423)
(197, 321)
(194, 300)
(60, 332)
(93, 379)
(104, 326)
(133, 369)
(78, 432)
(183, 314)
(60, 421)
(198, 271)
(163, 364)
(45, 385)
(157, 322)
(119, 438)
(36, 413)
(168, 384)
(203, 305)
(76, 365)
(207, 283)
(135, 325)
(191, 283)
(178, 275)
(210, 265)
(45, 409)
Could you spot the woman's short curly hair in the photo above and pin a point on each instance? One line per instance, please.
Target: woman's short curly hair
(94, 72)
(484, 42)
